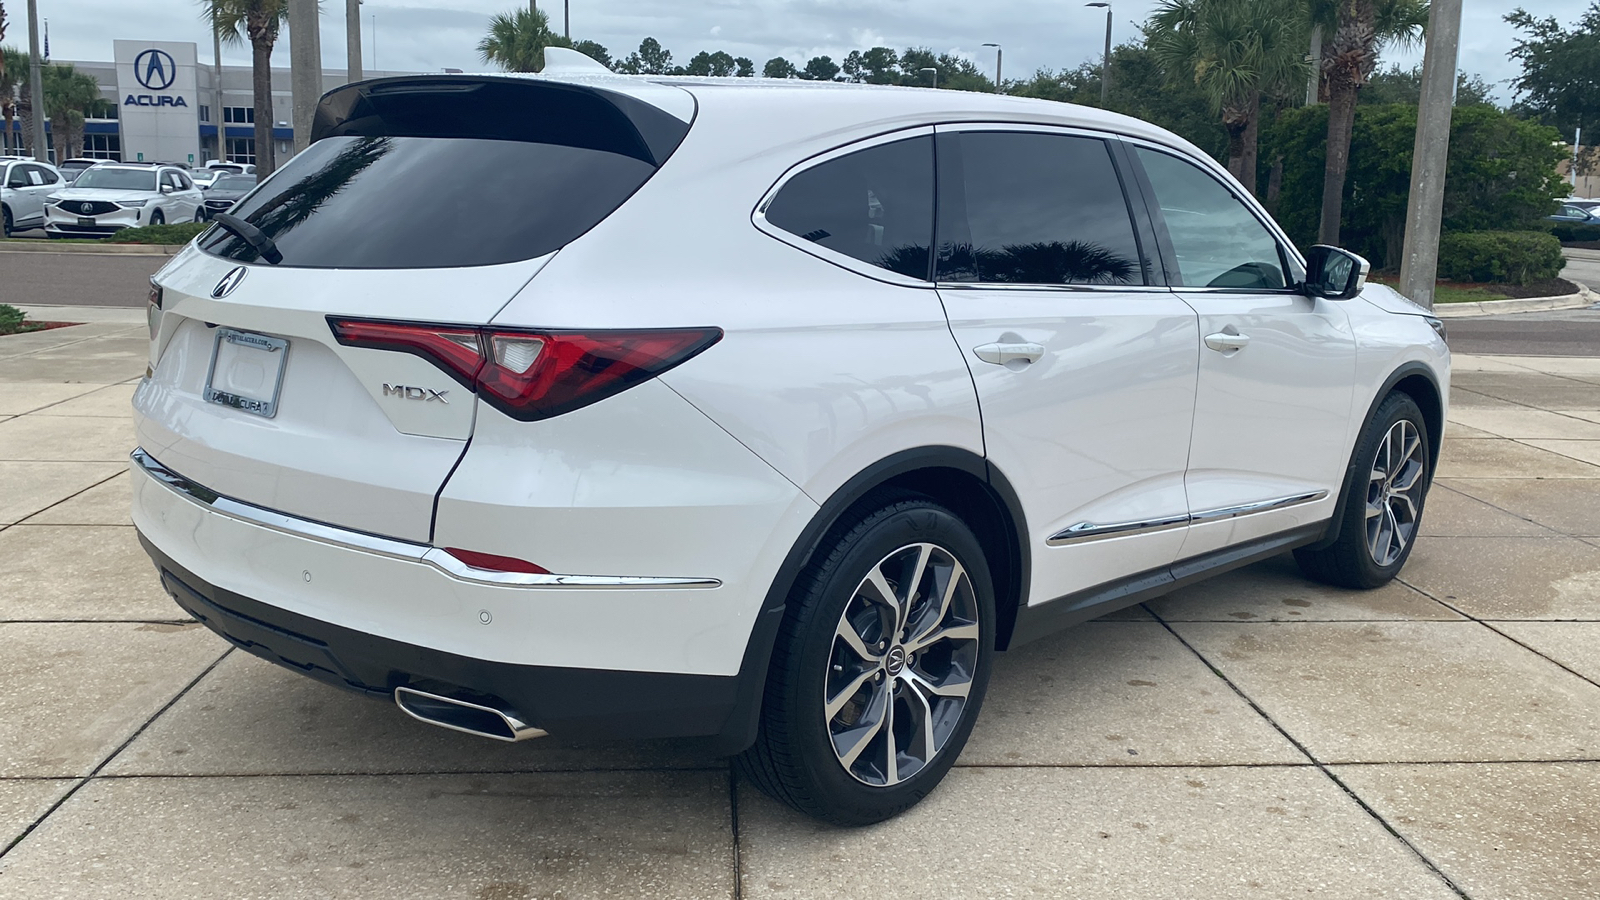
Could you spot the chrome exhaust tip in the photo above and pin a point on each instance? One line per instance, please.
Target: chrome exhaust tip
(464, 716)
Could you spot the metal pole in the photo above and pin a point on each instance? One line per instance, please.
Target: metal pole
(352, 40)
(997, 70)
(41, 150)
(1105, 63)
(375, 43)
(217, 110)
(1577, 145)
(1315, 58)
(305, 67)
(566, 18)
(1419, 259)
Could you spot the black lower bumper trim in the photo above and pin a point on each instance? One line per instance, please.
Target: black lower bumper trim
(566, 702)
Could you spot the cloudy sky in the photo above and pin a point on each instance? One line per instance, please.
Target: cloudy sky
(427, 35)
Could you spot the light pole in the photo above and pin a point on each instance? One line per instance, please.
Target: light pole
(40, 150)
(1105, 61)
(932, 73)
(352, 40)
(997, 58)
(305, 67)
(1419, 255)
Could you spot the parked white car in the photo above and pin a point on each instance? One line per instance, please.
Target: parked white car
(25, 185)
(114, 196)
(759, 411)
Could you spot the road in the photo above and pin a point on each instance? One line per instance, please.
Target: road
(63, 279)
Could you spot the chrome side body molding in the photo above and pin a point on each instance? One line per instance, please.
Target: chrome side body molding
(390, 547)
(1090, 531)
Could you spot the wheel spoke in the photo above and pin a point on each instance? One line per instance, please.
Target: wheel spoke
(1407, 478)
(955, 690)
(966, 631)
(913, 586)
(891, 750)
(924, 710)
(848, 693)
(1397, 541)
(935, 619)
(852, 639)
(862, 737)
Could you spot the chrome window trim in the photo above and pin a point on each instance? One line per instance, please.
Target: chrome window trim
(1082, 532)
(758, 216)
(392, 548)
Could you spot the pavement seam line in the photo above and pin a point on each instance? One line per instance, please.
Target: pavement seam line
(74, 343)
(1328, 773)
(70, 399)
(72, 791)
(733, 820)
(91, 487)
(1456, 490)
(1488, 623)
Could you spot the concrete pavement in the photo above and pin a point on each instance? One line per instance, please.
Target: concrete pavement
(1257, 735)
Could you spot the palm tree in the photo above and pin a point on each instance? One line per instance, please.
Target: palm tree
(1234, 51)
(69, 95)
(1361, 29)
(516, 40)
(256, 21)
(13, 71)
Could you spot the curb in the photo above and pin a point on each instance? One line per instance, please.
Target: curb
(1584, 297)
(48, 246)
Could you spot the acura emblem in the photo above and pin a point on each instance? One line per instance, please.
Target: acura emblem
(229, 282)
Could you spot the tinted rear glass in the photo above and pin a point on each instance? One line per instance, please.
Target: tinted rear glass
(118, 179)
(1032, 208)
(443, 172)
(875, 205)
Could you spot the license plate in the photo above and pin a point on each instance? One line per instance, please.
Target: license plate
(86, 220)
(246, 371)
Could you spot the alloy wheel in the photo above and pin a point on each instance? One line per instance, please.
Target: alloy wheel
(1394, 493)
(901, 666)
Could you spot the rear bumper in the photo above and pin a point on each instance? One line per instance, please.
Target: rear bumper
(567, 702)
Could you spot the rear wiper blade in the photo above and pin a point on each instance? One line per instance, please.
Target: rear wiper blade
(252, 235)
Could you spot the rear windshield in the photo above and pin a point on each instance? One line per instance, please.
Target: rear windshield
(118, 179)
(234, 183)
(444, 174)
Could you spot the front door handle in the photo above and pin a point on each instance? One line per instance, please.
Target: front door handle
(1001, 354)
(1227, 341)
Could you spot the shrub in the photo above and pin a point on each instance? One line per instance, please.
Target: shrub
(1502, 257)
(181, 233)
(1569, 232)
(10, 318)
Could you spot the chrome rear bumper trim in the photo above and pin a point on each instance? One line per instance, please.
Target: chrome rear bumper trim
(1089, 531)
(383, 546)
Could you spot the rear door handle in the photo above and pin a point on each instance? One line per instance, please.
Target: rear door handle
(1225, 342)
(1001, 354)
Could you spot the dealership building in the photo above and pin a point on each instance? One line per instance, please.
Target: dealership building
(164, 104)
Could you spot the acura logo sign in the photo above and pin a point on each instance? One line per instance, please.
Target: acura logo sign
(155, 70)
(229, 282)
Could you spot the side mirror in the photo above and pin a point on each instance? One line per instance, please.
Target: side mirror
(166, 189)
(1334, 273)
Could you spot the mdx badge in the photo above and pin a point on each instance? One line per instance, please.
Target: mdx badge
(229, 282)
(406, 392)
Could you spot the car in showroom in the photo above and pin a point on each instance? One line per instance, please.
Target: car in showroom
(765, 413)
(25, 186)
(226, 190)
(112, 196)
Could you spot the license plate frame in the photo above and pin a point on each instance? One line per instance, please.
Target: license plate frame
(236, 349)
(86, 220)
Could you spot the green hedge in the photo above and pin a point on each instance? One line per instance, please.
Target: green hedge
(181, 233)
(1567, 232)
(1500, 257)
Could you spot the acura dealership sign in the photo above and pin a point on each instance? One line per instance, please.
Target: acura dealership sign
(159, 91)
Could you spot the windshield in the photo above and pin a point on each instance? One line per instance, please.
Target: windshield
(70, 164)
(117, 179)
(234, 183)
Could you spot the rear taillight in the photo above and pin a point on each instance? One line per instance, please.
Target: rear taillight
(530, 374)
(152, 312)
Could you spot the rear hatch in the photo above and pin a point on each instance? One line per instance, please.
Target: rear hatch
(421, 200)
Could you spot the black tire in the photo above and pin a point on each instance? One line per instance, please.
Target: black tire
(156, 218)
(1362, 557)
(794, 758)
(5, 222)
(200, 214)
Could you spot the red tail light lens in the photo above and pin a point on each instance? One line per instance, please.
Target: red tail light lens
(532, 375)
(496, 563)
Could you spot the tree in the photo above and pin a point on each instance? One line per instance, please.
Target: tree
(719, 64)
(69, 95)
(1397, 85)
(1361, 29)
(595, 51)
(650, 59)
(516, 40)
(1234, 51)
(13, 88)
(820, 68)
(879, 66)
(1560, 80)
(778, 67)
(955, 73)
(258, 22)
(744, 67)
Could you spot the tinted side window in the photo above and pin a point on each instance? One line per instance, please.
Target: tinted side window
(1032, 208)
(1217, 240)
(875, 205)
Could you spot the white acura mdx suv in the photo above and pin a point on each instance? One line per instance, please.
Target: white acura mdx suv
(765, 412)
(112, 196)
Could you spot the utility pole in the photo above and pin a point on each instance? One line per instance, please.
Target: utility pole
(566, 19)
(1105, 61)
(305, 67)
(352, 39)
(217, 110)
(1419, 259)
(41, 150)
(1315, 58)
(997, 59)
